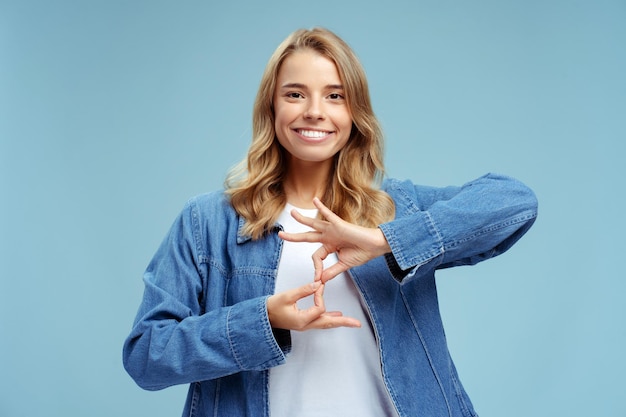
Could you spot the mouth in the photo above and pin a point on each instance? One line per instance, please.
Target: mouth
(313, 134)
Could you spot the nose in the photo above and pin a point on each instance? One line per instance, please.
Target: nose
(314, 110)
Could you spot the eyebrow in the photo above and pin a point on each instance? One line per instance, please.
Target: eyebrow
(303, 86)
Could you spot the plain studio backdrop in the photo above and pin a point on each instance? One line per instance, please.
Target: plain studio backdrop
(114, 113)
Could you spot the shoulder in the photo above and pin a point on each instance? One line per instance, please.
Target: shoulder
(210, 209)
(211, 201)
(212, 218)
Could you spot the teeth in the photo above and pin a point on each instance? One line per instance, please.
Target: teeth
(313, 133)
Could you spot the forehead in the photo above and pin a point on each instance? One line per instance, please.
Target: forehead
(308, 67)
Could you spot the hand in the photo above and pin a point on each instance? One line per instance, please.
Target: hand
(284, 313)
(354, 245)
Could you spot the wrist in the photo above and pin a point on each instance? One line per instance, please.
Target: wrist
(381, 245)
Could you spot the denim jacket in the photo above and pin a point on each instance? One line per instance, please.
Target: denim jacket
(203, 319)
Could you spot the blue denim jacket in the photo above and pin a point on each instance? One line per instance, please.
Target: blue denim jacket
(203, 319)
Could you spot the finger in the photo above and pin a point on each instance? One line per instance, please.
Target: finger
(313, 313)
(300, 218)
(312, 222)
(332, 320)
(312, 237)
(318, 297)
(332, 271)
(318, 261)
(283, 311)
(325, 211)
(293, 295)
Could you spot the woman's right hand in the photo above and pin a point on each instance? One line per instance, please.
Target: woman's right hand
(283, 311)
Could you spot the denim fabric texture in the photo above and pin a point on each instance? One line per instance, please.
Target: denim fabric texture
(203, 318)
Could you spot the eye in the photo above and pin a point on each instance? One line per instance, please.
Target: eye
(293, 94)
(335, 96)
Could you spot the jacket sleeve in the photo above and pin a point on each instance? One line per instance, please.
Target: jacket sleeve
(443, 227)
(173, 341)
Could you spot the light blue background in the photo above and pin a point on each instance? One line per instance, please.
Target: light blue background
(114, 113)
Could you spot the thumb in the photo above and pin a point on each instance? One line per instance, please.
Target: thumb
(332, 271)
(296, 294)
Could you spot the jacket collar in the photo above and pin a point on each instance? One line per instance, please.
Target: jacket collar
(241, 237)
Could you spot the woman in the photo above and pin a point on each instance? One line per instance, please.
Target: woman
(307, 287)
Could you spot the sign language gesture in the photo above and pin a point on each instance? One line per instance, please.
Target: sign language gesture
(284, 313)
(354, 245)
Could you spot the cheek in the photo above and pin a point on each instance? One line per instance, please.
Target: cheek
(346, 123)
(281, 117)
(278, 121)
(343, 116)
(280, 127)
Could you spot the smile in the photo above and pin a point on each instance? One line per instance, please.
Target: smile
(313, 134)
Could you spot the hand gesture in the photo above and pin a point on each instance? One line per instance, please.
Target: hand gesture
(354, 245)
(284, 313)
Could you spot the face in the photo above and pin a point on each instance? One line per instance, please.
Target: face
(312, 119)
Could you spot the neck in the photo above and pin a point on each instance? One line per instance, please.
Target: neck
(304, 182)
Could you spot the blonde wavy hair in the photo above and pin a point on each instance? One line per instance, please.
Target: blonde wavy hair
(255, 186)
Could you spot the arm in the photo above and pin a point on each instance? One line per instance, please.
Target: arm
(173, 340)
(444, 227)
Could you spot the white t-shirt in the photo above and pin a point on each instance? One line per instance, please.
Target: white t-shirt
(330, 372)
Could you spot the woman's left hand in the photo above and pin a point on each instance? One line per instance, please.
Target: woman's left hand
(354, 245)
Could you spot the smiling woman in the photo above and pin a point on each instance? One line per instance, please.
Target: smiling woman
(348, 185)
(270, 301)
(313, 121)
